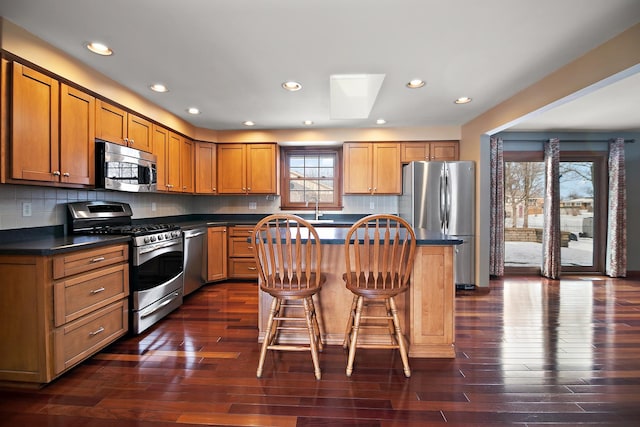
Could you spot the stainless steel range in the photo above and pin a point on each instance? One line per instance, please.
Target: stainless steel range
(156, 256)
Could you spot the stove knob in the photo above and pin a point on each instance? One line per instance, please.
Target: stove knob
(160, 237)
(153, 238)
(146, 240)
(166, 236)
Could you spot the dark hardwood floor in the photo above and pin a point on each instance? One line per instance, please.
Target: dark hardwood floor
(530, 352)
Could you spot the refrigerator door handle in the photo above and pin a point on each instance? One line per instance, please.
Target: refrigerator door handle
(442, 202)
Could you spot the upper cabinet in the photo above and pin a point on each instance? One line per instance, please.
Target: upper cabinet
(247, 168)
(205, 165)
(52, 130)
(116, 125)
(429, 151)
(160, 139)
(372, 168)
(175, 155)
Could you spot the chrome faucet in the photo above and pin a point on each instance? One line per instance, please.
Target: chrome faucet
(318, 214)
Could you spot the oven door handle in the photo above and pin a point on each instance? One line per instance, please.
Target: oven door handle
(154, 309)
(156, 246)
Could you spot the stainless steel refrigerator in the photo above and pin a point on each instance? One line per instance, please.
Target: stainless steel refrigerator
(440, 196)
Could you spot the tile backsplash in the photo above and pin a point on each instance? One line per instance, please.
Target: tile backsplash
(47, 206)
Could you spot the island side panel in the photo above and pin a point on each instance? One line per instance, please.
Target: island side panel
(431, 316)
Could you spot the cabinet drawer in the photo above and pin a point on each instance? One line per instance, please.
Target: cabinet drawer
(242, 268)
(82, 294)
(239, 247)
(79, 339)
(86, 260)
(240, 231)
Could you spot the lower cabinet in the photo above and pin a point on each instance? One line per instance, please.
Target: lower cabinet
(216, 253)
(241, 264)
(58, 310)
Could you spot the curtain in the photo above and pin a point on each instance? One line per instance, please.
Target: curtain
(551, 263)
(496, 224)
(616, 261)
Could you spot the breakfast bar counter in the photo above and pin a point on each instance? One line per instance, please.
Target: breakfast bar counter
(427, 309)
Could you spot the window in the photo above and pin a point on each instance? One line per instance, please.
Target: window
(582, 210)
(310, 176)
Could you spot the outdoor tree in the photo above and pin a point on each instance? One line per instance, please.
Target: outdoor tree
(523, 182)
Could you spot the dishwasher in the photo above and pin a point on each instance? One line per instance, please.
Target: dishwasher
(194, 265)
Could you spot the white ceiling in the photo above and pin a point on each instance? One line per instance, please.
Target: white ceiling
(230, 57)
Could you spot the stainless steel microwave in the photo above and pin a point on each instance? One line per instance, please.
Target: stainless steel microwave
(125, 169)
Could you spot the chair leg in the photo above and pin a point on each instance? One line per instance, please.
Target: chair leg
(400, 338)
(316, 326)
(354, 335)
(347, 333)
(268, 335)
(308, 308)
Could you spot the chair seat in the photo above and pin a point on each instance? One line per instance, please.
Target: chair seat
(293, 287)
(374, 287)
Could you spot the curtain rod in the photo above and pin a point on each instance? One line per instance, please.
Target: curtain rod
(627, 141)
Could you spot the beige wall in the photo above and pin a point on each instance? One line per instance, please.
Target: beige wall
(612, 60)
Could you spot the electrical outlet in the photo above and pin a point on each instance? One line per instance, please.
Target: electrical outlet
(253, 205)
(26, 208)
(153, 206)
(372, 205)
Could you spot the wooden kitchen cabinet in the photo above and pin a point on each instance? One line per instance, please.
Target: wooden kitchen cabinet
(58, 310)
(247, 168)
(205, 168)
(52, 130)
(216, 253)
(429, 151)
(177, 161)
(160, 149)
(372, 168)
(116, 125)
(35, 137)
(241, 264)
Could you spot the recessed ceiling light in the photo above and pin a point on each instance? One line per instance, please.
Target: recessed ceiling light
(463, 100)
(193, 110)
(158, 87)
(415, 84)
(99, 48)
(292, 86)
(248, 123)
(381, 121)
(308, 122)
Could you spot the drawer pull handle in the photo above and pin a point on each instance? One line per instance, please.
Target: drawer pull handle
(100, 258)
(96, 332)
(97, 291)
(252, 268)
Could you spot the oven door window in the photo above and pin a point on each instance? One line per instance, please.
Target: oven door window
(157, 270)
(130, 173)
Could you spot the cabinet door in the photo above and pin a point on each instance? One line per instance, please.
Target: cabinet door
(173, 162)
(216, 253)
(186, 165)
(444, 151)
(111, 123)
(261, 169)
(414, 152)
(160, 147)
(387, 169)
(34, 126)
(357, 167)
(139, 133)
(232, 168)
(205, 165)
(77, 136)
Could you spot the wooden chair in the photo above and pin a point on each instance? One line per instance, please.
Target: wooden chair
(379, 253)
(288, 254)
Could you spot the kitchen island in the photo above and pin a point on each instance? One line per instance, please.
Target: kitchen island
(427, 309)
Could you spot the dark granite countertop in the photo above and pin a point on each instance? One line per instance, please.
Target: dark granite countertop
(52, 244)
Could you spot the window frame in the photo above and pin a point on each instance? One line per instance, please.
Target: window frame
(285, 154)
(600, 187)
